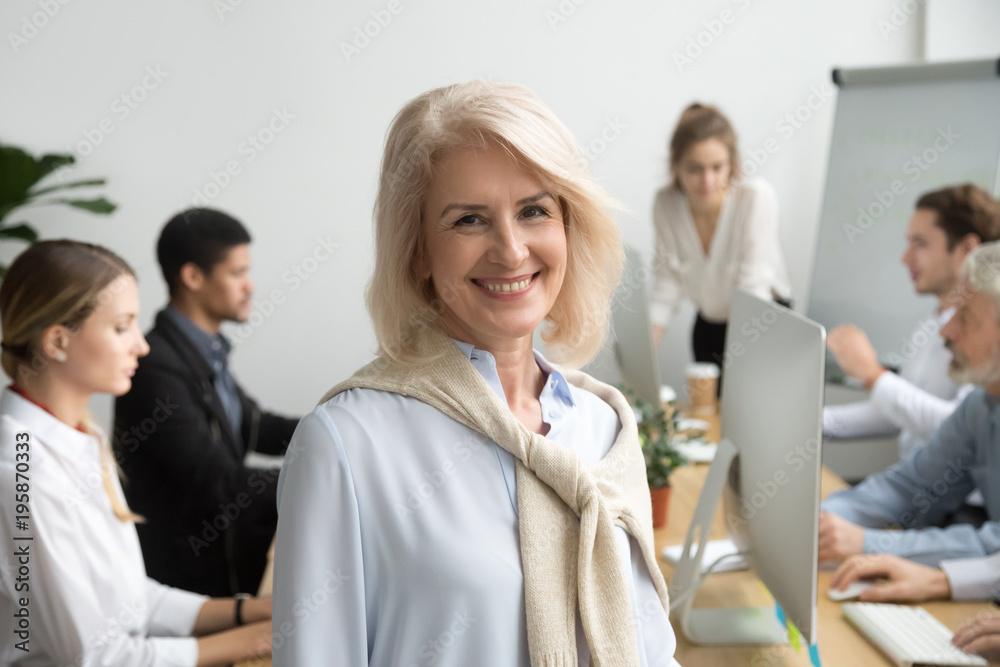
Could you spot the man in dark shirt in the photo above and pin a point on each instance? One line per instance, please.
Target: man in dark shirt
(183, 432)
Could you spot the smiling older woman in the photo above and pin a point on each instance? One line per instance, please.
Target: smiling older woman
(461, 500)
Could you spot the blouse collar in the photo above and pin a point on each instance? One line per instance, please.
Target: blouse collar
(486, 364)
(43, 426)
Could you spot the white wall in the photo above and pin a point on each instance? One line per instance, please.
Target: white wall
(225, 73)
(962, 29)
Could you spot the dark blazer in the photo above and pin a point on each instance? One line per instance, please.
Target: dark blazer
(209, 519)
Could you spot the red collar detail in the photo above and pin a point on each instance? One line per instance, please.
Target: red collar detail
(20, 391)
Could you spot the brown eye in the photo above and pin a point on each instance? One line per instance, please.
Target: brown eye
(534, 212)
(466, 221)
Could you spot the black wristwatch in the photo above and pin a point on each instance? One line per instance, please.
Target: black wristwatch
(240, 597)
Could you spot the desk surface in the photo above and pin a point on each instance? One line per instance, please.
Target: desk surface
(839, 642)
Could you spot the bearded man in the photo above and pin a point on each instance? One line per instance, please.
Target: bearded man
(903, 511)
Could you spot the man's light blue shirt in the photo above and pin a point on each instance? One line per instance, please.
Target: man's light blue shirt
(920, 492)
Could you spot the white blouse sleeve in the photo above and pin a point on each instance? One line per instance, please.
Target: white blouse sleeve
(912, 408)
(319, 611)
(972, 578)
(856, 420)
(667, 289)
(69, 623)
(172, 612)
(760, 241)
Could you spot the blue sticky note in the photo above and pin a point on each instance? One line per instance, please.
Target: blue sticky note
(814, 655)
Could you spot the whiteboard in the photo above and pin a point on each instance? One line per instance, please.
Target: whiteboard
(898, 132)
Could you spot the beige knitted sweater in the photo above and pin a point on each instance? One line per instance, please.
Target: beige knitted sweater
(567, 511)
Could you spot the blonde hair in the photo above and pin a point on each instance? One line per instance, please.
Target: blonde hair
(476, 114)
(698, 123)
(57, 283)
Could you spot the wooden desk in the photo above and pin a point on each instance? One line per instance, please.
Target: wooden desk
(839, 643)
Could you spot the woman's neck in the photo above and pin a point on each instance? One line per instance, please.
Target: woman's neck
(707, 209)
(68, 405)
(522, 381)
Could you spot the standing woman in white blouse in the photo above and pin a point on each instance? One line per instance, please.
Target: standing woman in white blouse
(73, 588)
(714, 232)
(461, 500)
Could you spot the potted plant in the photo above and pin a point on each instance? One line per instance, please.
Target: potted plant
(20, 175)
(656, 433)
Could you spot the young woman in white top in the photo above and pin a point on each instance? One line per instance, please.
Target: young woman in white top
(73, 588)
(714, 232)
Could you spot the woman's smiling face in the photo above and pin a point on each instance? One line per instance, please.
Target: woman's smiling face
(494, 246)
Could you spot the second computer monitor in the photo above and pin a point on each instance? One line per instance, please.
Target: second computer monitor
(767, 471)
(772, 408)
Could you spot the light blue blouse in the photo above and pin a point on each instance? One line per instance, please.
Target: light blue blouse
(397, 538)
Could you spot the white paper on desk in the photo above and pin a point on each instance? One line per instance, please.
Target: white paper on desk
(714, 550)
(698, 451)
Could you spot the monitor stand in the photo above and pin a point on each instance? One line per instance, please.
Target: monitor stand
(734, 625)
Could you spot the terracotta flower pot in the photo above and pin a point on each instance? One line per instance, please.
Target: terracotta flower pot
(661, 505)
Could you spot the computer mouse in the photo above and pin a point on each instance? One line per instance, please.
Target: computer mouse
(852, 591)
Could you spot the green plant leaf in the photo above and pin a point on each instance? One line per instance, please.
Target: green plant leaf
(49, 163)
(17, 173)
(100, 206)
(65, 186)
(7, 208)
(22, 231)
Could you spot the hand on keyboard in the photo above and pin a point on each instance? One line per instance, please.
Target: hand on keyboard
(981, 635)
(907, 581)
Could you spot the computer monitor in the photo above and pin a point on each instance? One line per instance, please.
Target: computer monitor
(633, 332)
(767, 468)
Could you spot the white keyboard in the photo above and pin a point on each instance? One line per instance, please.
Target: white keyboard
(910, 636)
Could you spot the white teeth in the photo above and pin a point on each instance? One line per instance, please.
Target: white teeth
(508, 287)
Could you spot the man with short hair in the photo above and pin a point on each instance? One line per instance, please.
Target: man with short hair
(184, 430)
(945, 227)
(920, 492)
